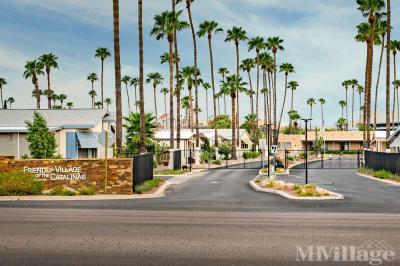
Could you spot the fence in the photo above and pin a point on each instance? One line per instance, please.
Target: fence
(142, 168)
(383, 161)
(319, 159)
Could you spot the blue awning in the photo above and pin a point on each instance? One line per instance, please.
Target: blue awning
(87, 140)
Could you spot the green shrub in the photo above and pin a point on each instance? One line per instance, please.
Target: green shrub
(217, 162)
(148, 185)
(250, 154)
(62, 192)
(224, 149)
(25, 157)
(172, 172)
(18, 183)
(383, 174)
(87, 191)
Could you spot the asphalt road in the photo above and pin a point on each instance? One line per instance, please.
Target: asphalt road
(214, 218)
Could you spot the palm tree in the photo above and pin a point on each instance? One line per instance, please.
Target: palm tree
(311, 102)
(223, 71)
(70, 105)
(49, 61)
(3, 82)
(354, 84)
(98, 104)
(258, 44)
(185, 102)
(287, 69)
(294, 116)
(341, 123)
(388, 48)
(394, 46)
(32, 70)
(55, 98)
(165, 25)
(92, 77)
(360, 90)
(209, 28)
(206, 87)
(370, 9)
(292, 85)
(155, 79)
(346, 85)
(62, 98)
(10, 100)
(236, 35)
(93, 94)
(247, 65)
(275, 44)
(322, 102)
(102, 53)
(342, 104)
(165, 91)
(251, 93)
(132, 126)
(396, 84)
(187, 74)
(126, 80)
(135, 82)
(142, 130)
(108, 102)
(233, 85)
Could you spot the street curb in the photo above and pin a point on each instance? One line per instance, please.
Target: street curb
(284, 173)
(335, 196)
(389, 182)
(184, 175)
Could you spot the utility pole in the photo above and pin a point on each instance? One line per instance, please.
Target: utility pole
(306, 148)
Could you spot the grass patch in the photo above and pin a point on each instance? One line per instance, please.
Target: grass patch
(172, 172)
(18, 184)
(63, 192)
(381, 174)
(87, 191)
(148, 185)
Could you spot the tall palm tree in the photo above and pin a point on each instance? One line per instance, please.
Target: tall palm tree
(342, 104)
(292, 85)
(275, 44)
(258, 44)
(294, 116)
(93, 94)
(251, 93)
(49, 61)
(322, 101)
(236, 35)
(165, 25)
(346, 85)
(155, 79)
(394, 46)
(341, 123)
(135, 83)
(54, 98)
(388, 38)
(223, 71)
(360, 90)
(62, 98)
(165, 91)
(70, 105)
(233, 85)
(92, 77)
(187, 75)
(287, 69)
(311, 102)
(126, 80)
(3, 82)
(108, 102)
(102, 53)
(396, 84)
(142, 140)
(206, 87)
(33, 69)
(186, 105)
(98, 104)
(354, 84)
(372, 10)
(10, 100)
(247, 65)
(209, 28)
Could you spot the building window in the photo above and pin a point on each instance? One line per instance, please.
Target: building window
(344, 146)
(244, 145)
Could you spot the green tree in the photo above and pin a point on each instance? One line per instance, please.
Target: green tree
(98, 104)
(342, 104)
(42, 142)
(155, 79)
(206, 87)
(294, 116)
(55, 98)
(311, 102)
(322, 101)
(223, 71)
(346, 84)
(292, 85)
(287, 69)
(108, 102)
(49, 61)
(3, 82)
(132, 126)
(10, 100)
(187, 74)
(165, 91)
(341, 123)
(135, 82)
(247, 65)
(126, 80)
(93, 94)
(221, 122)
(186, 105)
(102, 53)
(33, 69)
(70, 105)
(360, 90)
(354, 84)
(62, 98)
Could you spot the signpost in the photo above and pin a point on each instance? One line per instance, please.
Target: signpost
(106, 140)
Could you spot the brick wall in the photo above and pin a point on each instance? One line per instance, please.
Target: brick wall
(76, 173)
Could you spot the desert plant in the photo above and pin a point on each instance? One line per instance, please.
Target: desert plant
(18, 183)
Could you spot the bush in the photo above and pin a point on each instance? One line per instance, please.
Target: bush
(224, 149)
(63, 192)
(217, 162)
(172, 172)
(383, 174)
(251, 154)
(148, 185)
(18, 183)
(87, 191)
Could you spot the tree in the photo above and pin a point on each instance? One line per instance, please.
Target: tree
(33, 69)
(62, 98)
(275, 44)
(10, 100)
(42, 142)
(341, 123)
(223, 71)
(3, 82)
(135, 82)
(220, 122)
(187, 74)
(354, 84)
(251, 93)
(186, 105)
(142, 134)
(209, 28)
(165, 91)
(294, 116)
(70, 105)
(108, 102)
(165, 25)
(346, 85)
(92, 77)
(388, 38)
(311, 102)
(102, 53)
(394, 46)
(132, 126)
(360, 90)
(247, 65)
(98, 104)
(55, 98)
(322, 101)
(286, 69)
(155, 79)
(342, 104)
(206, 87)
(258, 44)
(236, 35)
(93, 94)
(292, 85)
(126, 80)
(49, 61)
(396, 84)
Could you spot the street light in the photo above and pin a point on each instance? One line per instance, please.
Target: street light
(268, 127)
(306, 149)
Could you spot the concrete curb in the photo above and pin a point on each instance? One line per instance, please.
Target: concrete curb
(335, 196)
(389, 182)
(184, 175)
(284, 173)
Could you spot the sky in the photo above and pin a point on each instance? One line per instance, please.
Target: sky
(318, 39)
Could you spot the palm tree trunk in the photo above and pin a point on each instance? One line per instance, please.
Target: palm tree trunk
(237, 95)
(37, 93)
(251, 96)
(378, 79)
(142, 142)
(155, 102)
(127, 95)
(283, 106)
(136, 101)
(360, 114)
(190, 108)
(310, 116)
(171, 91)
(102, 79)
(365, 100)
(1, 97)
(213, 90)
(207, 106)
(117, 66)
(347, 107)
(258, 82)
(291, 108)
(48, 91)
(394, 90)
(270, 97)
(352, 107)
(178, 92)
(388, 18)
(398, 107)
(370, 62)
(234, 123)
(322, 116)
(276, 135)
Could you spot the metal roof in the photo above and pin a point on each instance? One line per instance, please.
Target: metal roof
(88, 140)
(66, 118)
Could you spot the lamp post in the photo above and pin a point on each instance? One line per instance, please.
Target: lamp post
(306, 148)
(268, 127)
